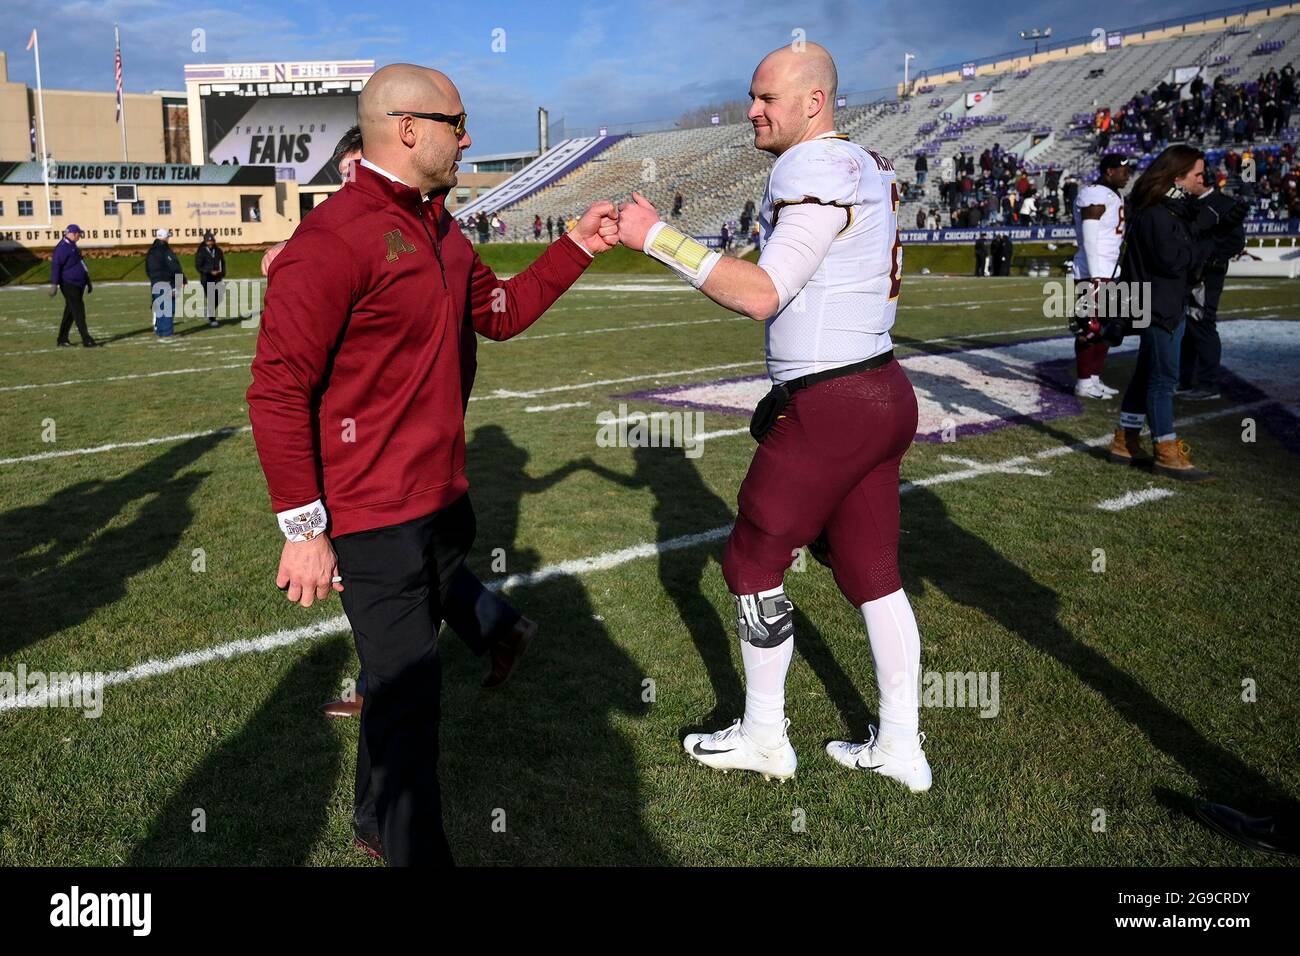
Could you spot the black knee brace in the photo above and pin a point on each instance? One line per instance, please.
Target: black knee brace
(764, 622)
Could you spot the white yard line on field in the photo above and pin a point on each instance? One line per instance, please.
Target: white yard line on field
(1132, 498)
(533, 393)
(123, 378)
(555, 408)
(143, 443)
(577, 566)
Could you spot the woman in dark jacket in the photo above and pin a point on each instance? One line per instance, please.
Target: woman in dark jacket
(1163, 248)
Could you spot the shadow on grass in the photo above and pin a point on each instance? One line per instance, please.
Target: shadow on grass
(266, 791)
(970, 572)
(543, 758)
(60, 562)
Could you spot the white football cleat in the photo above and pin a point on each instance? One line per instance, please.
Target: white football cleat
(1091, 388)
(733, 749)
(1107, 389)
(911, 769)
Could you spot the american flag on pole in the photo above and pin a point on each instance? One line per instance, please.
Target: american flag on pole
(117, 70)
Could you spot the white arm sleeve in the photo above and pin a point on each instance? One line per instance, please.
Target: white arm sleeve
(1092, 248)
(798, 245)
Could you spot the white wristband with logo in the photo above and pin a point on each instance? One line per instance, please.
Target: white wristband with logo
(305, 523)
(689, 258)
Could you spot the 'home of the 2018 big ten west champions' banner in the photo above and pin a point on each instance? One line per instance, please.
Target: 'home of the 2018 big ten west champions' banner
(288, 114)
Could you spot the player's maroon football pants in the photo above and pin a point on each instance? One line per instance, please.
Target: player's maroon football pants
(831, 462)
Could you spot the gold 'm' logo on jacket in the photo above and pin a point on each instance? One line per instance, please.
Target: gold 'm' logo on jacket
(396, 244)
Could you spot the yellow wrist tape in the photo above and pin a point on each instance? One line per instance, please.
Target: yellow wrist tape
(689, 258)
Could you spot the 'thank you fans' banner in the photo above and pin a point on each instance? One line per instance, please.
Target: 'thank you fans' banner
(298, 132)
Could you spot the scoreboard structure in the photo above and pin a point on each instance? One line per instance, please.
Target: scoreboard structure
(288, 115)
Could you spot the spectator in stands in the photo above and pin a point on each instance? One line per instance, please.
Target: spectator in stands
(920, 218)
(753, 234)
(747, 216)
(483, 226)
(1163, 248)
(1069, 191)
(537, 227)
(550, 229)
(210, 262)
(922, 167)
(1028, 209)
(677, 204)
(725, 236)
(166, 278)
(69, 275)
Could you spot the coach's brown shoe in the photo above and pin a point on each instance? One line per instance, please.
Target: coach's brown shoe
(343, 707)
(1172, 460)
(504, 655)
(1126, 448)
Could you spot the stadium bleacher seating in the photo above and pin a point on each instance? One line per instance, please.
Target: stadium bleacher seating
(717, 170)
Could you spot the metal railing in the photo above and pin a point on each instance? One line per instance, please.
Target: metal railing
(1225, 14)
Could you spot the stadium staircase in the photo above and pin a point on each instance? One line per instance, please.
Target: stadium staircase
(555, 163)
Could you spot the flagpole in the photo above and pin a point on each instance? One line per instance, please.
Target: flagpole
(117, 41)
(40, 114)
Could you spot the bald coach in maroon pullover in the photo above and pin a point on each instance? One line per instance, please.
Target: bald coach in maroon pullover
(358, 415)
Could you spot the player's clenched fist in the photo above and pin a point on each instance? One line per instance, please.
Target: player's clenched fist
(308, 570)
(634, 220)
(597, 230)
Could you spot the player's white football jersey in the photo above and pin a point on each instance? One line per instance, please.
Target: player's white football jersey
(1111, 236)
(844, 313)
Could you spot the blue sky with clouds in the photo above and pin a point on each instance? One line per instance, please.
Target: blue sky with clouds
(588, 62)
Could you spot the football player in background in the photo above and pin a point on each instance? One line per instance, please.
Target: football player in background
(1099, 230)
(826, 285)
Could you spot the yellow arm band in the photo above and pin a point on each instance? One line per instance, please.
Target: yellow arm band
(690, 259)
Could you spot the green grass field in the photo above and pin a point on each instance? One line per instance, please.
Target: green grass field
(1121, 692)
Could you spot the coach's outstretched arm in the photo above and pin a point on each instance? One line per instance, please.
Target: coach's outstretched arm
(501, 309)
(791, 255)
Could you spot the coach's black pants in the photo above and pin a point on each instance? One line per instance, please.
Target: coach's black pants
(396, 581)
(74, 310)
(1202, 350)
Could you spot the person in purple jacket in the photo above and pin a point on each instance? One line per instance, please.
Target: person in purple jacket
(68, 274)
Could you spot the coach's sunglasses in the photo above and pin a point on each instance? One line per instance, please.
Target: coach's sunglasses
(457, 122)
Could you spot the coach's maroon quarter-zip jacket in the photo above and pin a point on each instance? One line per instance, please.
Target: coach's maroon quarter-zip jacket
(357, 381)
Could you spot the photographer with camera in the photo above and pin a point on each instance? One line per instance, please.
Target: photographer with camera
(1166, 245)
(1201, 349)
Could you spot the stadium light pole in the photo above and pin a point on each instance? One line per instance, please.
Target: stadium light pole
(907, 59)
(1036, 34)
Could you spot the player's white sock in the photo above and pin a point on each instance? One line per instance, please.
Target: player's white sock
(896, 650)
(765, 670)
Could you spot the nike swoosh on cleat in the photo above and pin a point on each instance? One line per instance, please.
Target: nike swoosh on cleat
(861, 767)
(700, 751)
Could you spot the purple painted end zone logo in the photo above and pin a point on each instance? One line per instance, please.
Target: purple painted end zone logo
(959, 393)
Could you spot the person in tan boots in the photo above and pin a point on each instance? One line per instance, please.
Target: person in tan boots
(1166, 243)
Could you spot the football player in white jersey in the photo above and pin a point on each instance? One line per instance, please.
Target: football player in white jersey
(836, 424)
(1099, 230)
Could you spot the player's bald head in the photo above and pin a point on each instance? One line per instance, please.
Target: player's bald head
(402, 86)
(793, 96)
(800, 67)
